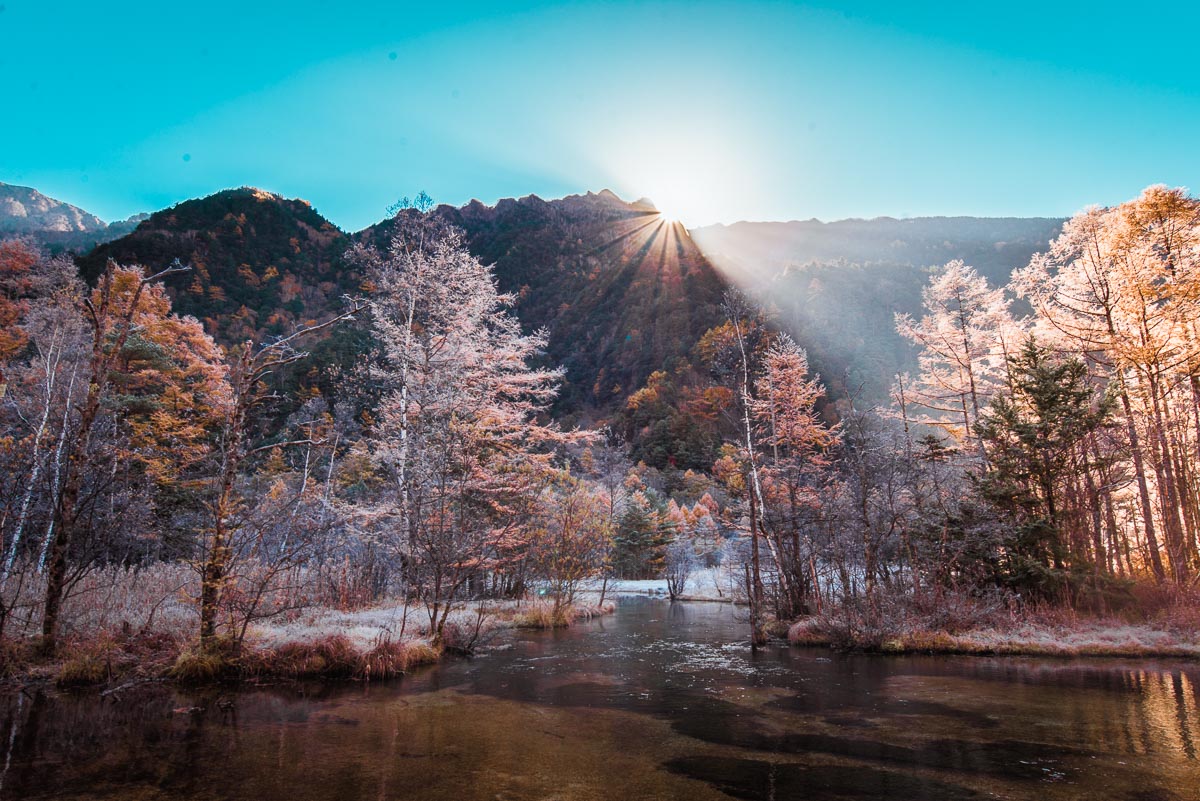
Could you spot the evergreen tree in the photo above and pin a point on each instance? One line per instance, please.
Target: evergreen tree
(1034, 437)
(642, 537)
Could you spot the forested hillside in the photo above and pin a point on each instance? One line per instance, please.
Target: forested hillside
(621, 291)
(837, 286)
(260, 263)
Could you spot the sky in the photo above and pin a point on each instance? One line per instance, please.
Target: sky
(716, 111)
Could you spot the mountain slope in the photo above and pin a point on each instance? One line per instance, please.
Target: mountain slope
(25, 210)
(622, 292)
(838, 286)
(261, 264)
(993, 245)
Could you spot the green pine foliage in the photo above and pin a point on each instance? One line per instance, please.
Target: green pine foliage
(642, 536)
(1034, 439)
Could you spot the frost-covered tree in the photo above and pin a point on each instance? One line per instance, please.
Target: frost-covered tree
(1119, 289)
(457, 427)
(963, 337)
(795, 444)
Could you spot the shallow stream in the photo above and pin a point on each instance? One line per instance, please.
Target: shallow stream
(659, 700)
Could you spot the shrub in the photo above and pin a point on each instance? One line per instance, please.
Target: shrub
(545, 616)
(388, 659)
(14, 658)
(206, 663)
(807, 632)
(589, 611)
(91, 666)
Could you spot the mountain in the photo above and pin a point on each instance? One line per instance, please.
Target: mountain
(24, 211)
(621, 291)
(837, 286)
(993, 245)
(261, 263)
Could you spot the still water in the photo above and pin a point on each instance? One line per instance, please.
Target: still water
(658, 701)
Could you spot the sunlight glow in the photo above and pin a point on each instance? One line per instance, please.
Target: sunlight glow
(694, 175)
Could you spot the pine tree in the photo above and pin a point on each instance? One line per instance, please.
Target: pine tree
(1033, 436)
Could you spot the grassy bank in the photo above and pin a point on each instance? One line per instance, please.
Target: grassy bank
(1036, 635)
(154, 639)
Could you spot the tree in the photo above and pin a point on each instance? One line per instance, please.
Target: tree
(1118, 288)
(251, 365)
(738, 311)
(40, 348)
(456, 427)
(162, 373)
(796, 444)
(680, 562)
(641, 537)
(963, 337)
(1035, 439)
(606, 465)
(570, 537)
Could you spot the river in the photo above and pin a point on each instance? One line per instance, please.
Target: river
(659, 700)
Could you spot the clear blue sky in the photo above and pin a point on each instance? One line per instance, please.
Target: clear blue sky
(719, 111)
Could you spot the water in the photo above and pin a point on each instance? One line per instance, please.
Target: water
(654, 702)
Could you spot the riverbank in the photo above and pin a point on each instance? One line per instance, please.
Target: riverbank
(378, 642)
(1077, 638)
(717, 584)
(1045, 633)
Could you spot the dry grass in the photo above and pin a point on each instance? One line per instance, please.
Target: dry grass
(337, 657)
(1083, 638)
(331, 656)
(87, 665)
(542, 615)
(589, 611)
(157, 599)
(120, 624)
(361, 626)
(389, 659)
(807, 631)
(1041, 631)
(198, 665)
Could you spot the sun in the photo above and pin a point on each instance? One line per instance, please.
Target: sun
(694, 175)
(680, 196)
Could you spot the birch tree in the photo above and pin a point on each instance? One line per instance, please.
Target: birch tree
(457, 426)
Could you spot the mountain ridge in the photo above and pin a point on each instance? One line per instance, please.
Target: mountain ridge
(623, 292)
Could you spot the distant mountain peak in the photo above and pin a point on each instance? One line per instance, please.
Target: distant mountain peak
(24, 210)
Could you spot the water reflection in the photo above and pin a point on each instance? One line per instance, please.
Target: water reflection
(659, 701)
